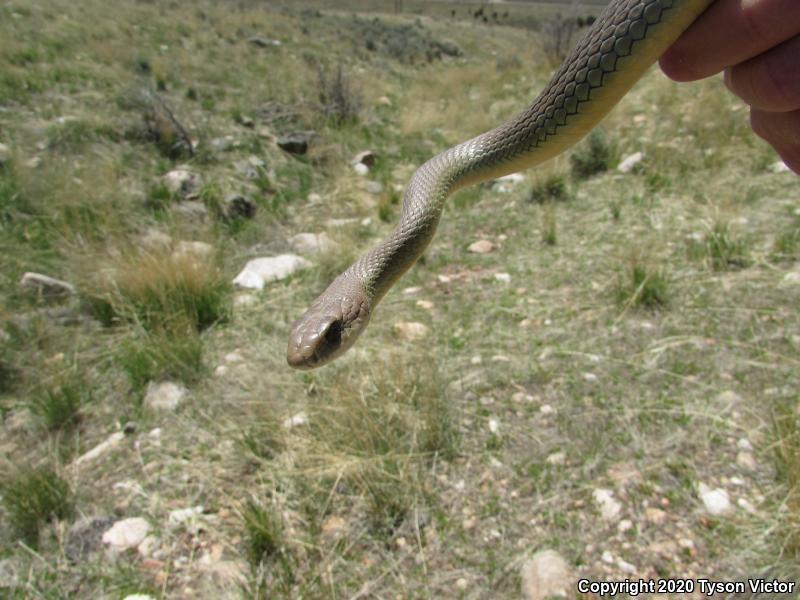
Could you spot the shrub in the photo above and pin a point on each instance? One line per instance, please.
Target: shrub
(552, 188)
(339, 101)
(33, 497)
(595, 155)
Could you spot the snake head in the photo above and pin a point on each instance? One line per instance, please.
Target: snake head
(328, 328)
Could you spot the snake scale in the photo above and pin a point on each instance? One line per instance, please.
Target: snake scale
(622, 44)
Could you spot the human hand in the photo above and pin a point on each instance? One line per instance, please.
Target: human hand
(757, 45)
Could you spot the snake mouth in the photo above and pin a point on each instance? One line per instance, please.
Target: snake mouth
(314, 343)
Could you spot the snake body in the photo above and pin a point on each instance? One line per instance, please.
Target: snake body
(622, 44)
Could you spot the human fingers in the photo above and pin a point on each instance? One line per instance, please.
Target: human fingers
(782, 131)
(728, 33)
(770, 81)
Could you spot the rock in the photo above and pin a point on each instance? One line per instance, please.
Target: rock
(779, 167)
(85, 537)
(5, 155)
(556, 459)
(729, 398)
(361, 169)
(164, 396)
(746, 461)
(744, 444)
(791, 278)
(502, 277)
(108, 444)
(494, 425)
(196, 250)
(373, 187)
(716, 501)
(309, 244)
(300, 418)
(246, 121)
(334, 527)
(410, 331)
(126, 534)
(236, 206)
(263, 42)
(183, 182)
(182, 515)
(481, 247)
(546, 575)
(629, 162)
(609, 506)
(34, 162)
(656, 516)
(192, 210)
(425, 304)
(546, 409)
(138, 597)
(746, 505)
(260, 271)
(384, 101)
(153, 239)
(367, 157)
(624, 525)
(244, 300)
(296, 142)
(45, 286)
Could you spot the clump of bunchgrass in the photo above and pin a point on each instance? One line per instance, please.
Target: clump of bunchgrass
(641, 286)
(550, 189)
(57, 402)
(549, 227)
(150, 357)
(340, 101)
(720, 249)
(594, 155)
(786, 452)
(787, 244)
(31, 498)
(164, 291)
(266, 544)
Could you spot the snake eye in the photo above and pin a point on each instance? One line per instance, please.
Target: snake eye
(333, 335)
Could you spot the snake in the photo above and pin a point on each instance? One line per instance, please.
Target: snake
(616, 51)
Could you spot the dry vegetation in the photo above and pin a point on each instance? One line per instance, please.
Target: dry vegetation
(637, 332)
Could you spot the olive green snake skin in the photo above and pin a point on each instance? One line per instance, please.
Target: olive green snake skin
(622, 44)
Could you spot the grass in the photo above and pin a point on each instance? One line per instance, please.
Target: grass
(641, 286)
(425, 466)
(32, 498)
(720, 248)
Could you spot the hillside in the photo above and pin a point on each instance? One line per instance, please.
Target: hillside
(594, 367)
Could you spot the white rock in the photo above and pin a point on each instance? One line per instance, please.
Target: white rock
(546, 575)
(233, 357)
(300, 418)
(148, 546)
(46, 286)
(743, 503)
(629, 162)
(607, 557)
(181, 515)
(744, 444)
(513, 178)
(746, 461)
(715, 500)
(557, 458)
(361, 169)
(410, 330)
(626, 567)
(546, 409)
(138, 597)
(260, 271)
(590, 377)
(126, 534)
(412, 290)
(110, 442)
(624, 525)
(481, 247)
(425, 304)
(503, 277)
(609, 506)
(153, 239)
(165, 395)
(791, 278)
(494, 425)
(182, 181)
(312, 243)
(778, 167)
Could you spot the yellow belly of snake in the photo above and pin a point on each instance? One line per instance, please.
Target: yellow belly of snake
(626, 39)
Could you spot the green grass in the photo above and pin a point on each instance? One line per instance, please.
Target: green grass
(550, 189)
(720, 248)
(641, 286)
(159, 356)
(32, 498)
(594, 155)
(58, 403)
